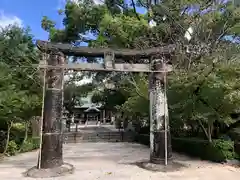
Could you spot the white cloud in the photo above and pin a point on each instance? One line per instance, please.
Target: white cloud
(7, 19)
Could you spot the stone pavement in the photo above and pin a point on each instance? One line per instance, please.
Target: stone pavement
(116, 161)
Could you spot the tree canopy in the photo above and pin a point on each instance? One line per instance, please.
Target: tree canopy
(20, 85)
(17, 54)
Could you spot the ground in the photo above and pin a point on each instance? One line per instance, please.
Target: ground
(108, 161)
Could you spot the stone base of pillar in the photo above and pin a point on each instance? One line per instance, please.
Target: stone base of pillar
(172, 166)
(158, 152)
(62, 170)
(157, 160)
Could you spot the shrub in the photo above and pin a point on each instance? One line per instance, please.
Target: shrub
(27, 146)
(143, 139)
(12, 148)
(36, 141)
(17, 133)
(30, 144)
(218, 151)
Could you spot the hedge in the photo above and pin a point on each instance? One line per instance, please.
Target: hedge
(143, 139)
(29, 145)
(218, 151)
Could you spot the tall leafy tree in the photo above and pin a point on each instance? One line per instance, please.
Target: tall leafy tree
(20, 86)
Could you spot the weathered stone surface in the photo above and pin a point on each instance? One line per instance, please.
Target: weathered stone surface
(158, 156)
(52, 140)
(159, 116)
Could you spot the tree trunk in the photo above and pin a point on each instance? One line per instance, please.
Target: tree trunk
(25, 136)
(203, 129)
(51, 152)
(8, 137)
(210, 132)
(35, 126)
(158, 111)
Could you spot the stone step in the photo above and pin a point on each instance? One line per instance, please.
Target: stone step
(98, 137)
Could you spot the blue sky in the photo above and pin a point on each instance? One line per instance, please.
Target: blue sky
(29, 13)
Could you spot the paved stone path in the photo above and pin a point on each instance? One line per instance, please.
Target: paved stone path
(116, 161)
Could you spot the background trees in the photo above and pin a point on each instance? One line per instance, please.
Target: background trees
(20, 86)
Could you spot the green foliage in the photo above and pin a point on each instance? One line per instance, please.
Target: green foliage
(47, 24)
(73, 94)
(12, 148)
(19, 127)
(109, 98)
(218, 151)
(30, 144)
(17, 132)
(135, 89)
(123, 30)
(18, 100)
(207, 92)
(20, 87)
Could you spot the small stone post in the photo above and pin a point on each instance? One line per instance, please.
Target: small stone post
(158, 100)
(51, 152)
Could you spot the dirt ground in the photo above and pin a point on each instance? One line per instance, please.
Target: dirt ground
(116, 161)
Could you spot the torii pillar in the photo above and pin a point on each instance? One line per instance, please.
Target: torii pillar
(51, 150)
(159, 114)
(52, 140)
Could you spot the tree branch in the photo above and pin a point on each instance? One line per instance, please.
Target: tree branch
(203, 128)
(135, 11)
(142, 4)
(134, 83)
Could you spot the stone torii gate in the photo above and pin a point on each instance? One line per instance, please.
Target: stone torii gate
(51, 148)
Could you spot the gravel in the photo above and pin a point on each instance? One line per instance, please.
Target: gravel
(118, 161)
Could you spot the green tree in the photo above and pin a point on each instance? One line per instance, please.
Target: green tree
(19, 83)
(73, 94)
